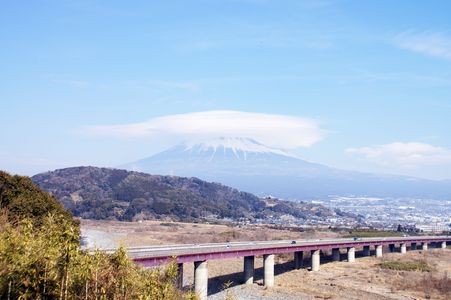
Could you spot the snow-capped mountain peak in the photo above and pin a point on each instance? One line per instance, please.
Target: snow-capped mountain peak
(239, 146)
(251, 166)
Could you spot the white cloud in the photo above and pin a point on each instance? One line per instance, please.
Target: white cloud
(407, 155)
(280, 131)
(432, 44)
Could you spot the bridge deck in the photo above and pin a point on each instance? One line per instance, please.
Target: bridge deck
(158, 255)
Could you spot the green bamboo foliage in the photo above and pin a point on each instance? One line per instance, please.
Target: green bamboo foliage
(40, 255)
(46, 262)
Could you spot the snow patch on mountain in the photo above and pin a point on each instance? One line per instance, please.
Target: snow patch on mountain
(240, 147)
(248, 165)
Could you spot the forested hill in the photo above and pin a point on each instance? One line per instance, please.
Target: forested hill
(102, 193)
(21, 199)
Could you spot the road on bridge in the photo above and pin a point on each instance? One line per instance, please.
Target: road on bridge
(199, 254)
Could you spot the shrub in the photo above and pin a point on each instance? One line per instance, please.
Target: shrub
(47, 263)
(40, 255)
(433, 286)
(420, 266)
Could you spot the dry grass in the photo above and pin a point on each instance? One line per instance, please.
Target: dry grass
(430, 285)
(405, 273)
(132, 234)
(364, 279)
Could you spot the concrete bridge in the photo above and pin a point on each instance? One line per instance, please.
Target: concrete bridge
(200, 254)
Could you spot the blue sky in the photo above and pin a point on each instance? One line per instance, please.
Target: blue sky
(374, 77)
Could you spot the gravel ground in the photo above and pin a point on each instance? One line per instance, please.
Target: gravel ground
(254, 292)
(229, 272)
(92, 238)
(335, 280)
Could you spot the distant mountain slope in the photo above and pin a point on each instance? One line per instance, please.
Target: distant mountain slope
(101, 193)
(250, 166)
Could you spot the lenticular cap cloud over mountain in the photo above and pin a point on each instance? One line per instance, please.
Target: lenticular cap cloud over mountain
(281, 131)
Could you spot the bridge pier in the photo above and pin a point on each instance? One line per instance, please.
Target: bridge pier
(201, 279)
(366, 251)
(336, 254)
(156, 256)
(403, 248)
(179, 278)
(351, 254)
(391, 248)
(378, 250)
(315, 260)
(248, 274)
(424, 246)
(268, 270)
(298, 259)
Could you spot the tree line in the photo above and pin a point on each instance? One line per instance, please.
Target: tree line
(41, 258)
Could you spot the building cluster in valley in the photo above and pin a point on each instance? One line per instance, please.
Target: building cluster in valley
(407, 215)
(403, 214)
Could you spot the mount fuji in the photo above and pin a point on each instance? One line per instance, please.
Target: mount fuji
(248, 165)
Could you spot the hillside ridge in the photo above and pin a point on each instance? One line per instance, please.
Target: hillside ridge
(106, 193)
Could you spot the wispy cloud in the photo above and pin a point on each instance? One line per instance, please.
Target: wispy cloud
(280, 131)
(406, 155)
(428, 43)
